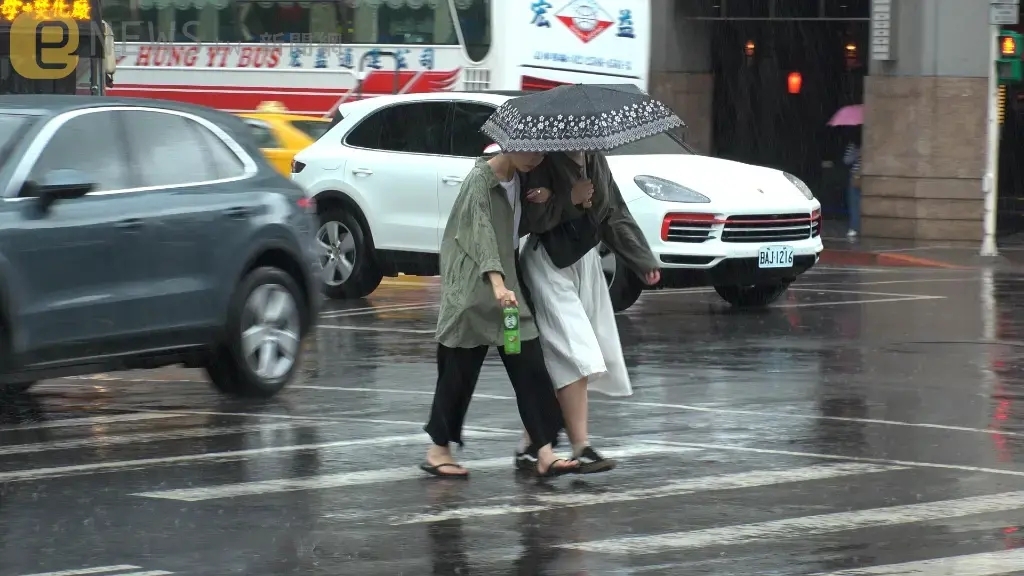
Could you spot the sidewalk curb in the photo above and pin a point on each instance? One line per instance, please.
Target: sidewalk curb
(832, 257)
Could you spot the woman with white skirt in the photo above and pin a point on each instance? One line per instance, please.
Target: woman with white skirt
(567, 288)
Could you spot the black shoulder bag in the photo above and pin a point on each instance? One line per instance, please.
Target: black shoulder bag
(572, 239)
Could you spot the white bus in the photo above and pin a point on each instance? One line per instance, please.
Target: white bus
(310, 56)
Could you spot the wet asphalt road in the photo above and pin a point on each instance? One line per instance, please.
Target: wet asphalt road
(869, 423)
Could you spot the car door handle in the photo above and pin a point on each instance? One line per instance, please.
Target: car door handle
(362, 171)
(451, 180)
(237, 212)
(129, 224)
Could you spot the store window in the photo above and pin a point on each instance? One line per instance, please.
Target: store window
(342, 21)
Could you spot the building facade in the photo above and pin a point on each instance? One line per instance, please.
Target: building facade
(920, 69)
(925, 122)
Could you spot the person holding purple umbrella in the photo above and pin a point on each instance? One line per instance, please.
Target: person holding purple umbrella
(852, 117)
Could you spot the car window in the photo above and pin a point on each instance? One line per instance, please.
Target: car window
(11, 128)
(467, 118)
(367, 133)
(224, 161)
(312, 128)
(417, 128)
(91, 144)
(166, 150)
(664, 143)
(263, 135)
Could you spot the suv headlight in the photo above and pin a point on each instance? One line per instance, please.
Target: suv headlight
(799, 185)
(661, 189)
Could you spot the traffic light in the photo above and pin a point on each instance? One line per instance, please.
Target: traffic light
(1001, 107)
(1008, 66)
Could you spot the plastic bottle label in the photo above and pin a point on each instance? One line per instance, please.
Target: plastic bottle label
(511, 325)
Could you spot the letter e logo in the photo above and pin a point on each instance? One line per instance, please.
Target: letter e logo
(44, 49)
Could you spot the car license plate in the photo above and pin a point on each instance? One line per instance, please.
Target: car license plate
(775, 257)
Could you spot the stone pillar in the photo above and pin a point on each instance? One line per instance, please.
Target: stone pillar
(681, 74)
(924, 125)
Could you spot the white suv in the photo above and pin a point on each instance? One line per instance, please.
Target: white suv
(386, 175)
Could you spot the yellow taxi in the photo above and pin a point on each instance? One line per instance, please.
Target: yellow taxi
(281, 135)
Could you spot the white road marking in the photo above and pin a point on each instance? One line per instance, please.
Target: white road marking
(903, 298)
(374, 329)
(122, 465)
(377, 309)
(848, 302)
(331, 419)
(379, 476)
(665, 291)
(90, 421)
(690, 407)
(146, 573)
(984, 564)
(751, 479)
(805, 526)
(879, 282)
(371, 307)
(93, 570)
(101, 441)
(862, 292)
(751, 449)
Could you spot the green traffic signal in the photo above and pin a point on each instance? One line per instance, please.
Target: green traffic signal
(1008, 65)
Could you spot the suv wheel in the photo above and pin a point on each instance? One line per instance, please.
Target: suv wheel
(623, 285)
(756, 296)
(349, 270)
(263, 344)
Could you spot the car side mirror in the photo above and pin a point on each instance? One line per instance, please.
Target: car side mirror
(57, 185)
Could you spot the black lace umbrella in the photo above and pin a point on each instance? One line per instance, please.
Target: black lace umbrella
(586, 117)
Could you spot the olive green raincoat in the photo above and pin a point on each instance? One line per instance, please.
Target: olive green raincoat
(478, 240)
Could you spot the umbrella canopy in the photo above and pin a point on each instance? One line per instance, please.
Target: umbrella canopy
(848, 116)
(578, 117)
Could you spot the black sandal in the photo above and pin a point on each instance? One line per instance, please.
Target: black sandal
(524, 462)
(436, 470)
(591, 462)
(554, 472)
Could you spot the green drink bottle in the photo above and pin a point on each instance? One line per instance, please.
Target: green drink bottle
(511, 325)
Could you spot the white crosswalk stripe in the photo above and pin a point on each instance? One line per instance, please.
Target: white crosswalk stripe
(753, 479)
(985, 564)
(91, 421)
(140, 438)
(637, 489)
(227, 456)
(118, 570)
(805, 526)
(323, 482)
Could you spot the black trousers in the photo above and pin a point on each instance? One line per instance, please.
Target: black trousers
(457, 372)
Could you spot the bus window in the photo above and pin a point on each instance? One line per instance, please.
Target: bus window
(474, 19)
(337, 22)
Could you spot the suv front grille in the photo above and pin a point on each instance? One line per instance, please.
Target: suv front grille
(768, 227)
(691, 232)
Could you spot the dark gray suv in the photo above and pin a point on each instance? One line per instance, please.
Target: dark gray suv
(138, 234)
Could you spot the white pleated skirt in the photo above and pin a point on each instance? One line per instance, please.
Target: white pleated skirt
(573, 311)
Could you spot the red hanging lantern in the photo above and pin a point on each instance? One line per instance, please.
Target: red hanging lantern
(794, 82)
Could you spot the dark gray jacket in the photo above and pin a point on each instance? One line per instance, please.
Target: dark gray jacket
(558, 172)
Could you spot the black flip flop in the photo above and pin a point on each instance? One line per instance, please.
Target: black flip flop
(436, 470)
(554, 472)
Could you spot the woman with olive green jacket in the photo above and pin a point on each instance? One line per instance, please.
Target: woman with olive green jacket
(479, 277)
